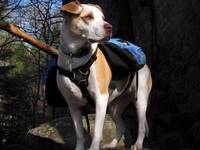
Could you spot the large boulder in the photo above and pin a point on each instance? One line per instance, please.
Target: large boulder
(60, 134)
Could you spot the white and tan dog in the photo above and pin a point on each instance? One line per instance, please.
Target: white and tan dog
(83, 23)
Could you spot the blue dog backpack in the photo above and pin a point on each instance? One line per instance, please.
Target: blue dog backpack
(133, 49)
(123, 57)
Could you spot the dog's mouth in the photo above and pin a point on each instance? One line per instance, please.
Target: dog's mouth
(106, 38)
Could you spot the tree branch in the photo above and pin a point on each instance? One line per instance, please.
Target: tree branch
(11, 28)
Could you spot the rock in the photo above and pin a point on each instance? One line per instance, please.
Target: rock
(60, 134)
(60, 131)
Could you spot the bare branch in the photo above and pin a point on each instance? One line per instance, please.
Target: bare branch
(8, 13)
(27, 38)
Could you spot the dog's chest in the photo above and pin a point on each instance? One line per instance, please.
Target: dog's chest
(70, 90)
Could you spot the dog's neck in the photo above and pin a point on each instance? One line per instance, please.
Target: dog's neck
(70, 43)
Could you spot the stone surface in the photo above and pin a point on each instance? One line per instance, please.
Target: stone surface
(60, 134)
(60, 131)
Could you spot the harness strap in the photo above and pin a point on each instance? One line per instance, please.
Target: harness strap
(80, 77)
(80, 53)
(129, 82)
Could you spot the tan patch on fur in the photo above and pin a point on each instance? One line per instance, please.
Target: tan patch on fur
(72, 7)
(86, 16)
(150, 82)
(85, 13)
(103, 72)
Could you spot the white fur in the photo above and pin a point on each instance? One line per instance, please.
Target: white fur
(72, 38)
(95, 30)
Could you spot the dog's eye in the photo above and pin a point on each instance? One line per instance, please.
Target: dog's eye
(89, 17)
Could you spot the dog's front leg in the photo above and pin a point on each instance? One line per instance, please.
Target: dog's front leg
(101, 105)
(78, 124)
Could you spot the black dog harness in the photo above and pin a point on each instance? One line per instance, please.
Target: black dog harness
(80, 76)
(122, 63)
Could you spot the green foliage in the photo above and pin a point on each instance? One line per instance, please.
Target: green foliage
(23, 66)
(21, 59)
(15, 90)
(16, 113)
(14, 54)
(2, 9)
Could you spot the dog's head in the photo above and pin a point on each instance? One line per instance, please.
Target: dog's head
(86, 21)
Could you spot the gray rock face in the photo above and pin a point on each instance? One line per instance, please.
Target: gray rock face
(60, 134)
(60, 131)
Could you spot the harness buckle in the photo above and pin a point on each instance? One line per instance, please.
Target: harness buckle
(84, 73)
(83, 82)
(73, 75)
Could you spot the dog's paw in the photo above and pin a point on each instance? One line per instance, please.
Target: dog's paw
(94, 147)
(110, 145)
(137, 146)
(107, 146)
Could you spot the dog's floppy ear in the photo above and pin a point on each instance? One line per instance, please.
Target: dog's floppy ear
(73, 7)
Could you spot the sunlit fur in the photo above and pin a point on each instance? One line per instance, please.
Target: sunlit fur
(78, 24)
